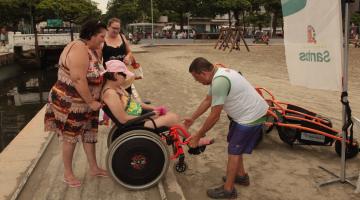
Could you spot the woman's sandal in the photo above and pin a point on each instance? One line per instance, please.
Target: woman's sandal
(74, 183)
(101, 174)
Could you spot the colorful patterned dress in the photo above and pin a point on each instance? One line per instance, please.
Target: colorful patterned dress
(67, 114)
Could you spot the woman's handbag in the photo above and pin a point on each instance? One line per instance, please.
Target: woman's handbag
(136, 69)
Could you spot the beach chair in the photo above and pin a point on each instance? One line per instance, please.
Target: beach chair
(300, 126)
(138, 157)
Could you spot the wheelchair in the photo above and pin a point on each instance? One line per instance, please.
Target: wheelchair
(138, 157)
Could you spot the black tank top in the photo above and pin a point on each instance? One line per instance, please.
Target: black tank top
(118, 52)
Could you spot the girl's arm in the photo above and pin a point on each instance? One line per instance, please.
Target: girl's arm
(112, 100)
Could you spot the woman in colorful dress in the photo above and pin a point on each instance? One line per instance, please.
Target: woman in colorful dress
(73, 105)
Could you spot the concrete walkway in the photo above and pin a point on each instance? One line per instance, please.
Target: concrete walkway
(46, 180)
(31, 168)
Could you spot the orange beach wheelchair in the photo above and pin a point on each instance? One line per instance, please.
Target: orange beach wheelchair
(299, 126)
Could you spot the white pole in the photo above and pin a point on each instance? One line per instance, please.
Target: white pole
(345, 88)
(188, 30)
(152, 23)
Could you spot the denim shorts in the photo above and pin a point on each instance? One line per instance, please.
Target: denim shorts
(242, 138)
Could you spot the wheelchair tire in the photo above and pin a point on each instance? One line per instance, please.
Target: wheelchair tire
(351, 150)
(137, 159)
(111, 134)
(327, 121)
(267, 129)
(180, 167)
(287, 135)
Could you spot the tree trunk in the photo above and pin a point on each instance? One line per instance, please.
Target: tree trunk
(236, 16)
(229, 18)
(274, 24)
(244, 22)
(33, 23)
(182, 21)
(71, 32)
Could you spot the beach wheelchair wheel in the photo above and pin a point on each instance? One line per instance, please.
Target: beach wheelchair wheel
(327, 121)
(287, 135)
(137, 159)
(268, 128)
(351, 150)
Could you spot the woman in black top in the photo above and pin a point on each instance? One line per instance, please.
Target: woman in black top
(115, 44)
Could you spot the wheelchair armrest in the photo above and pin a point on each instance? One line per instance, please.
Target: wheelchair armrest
(139, 119)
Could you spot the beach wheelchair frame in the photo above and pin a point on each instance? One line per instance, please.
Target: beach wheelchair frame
(138, 157)
(300, 126)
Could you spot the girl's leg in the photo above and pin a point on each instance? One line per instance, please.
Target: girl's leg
(167, 120)
(170, 119)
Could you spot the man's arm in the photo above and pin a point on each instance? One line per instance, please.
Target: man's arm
(208, 124)
(210, 120)
(203, 107)
(219, 91)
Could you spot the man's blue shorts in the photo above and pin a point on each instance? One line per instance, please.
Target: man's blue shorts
(242, 139)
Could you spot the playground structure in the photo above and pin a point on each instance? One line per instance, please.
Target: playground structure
(230, 38)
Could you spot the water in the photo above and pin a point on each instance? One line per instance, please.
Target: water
(22, 95)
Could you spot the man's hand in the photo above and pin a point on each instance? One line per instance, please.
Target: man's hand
(194, 140)
(188, 122)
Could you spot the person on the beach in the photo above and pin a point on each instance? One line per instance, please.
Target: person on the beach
(231, 92)
(123, 105)
(3, 36)
(126, 107)
(73, 105)
(115, 44)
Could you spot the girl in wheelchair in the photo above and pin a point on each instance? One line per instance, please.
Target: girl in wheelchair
(125, 107)
(137, 157)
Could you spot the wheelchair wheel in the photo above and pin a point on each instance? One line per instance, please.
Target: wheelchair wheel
(351, 150)
(180, 167)
(111, 134)
(137, 159)
(287, 135)
(268, 128)
(327, 121)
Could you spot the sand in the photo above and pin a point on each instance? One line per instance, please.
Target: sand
(277, 171)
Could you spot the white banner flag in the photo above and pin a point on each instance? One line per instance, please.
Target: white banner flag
(313, 42)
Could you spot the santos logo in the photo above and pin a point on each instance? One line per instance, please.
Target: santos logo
(313, 56)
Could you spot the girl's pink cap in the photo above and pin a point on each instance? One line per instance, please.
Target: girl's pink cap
(118, 66)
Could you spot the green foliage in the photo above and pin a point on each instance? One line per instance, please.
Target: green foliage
(12, 11)
(127, 11)
(130, 11)
(68, 10)
(355, 18)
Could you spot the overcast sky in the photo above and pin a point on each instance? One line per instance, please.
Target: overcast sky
(102, 5)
